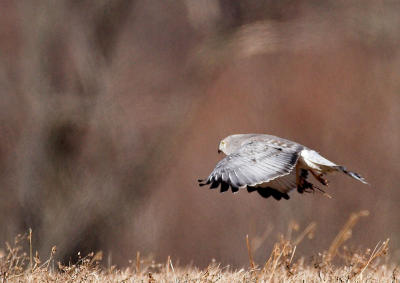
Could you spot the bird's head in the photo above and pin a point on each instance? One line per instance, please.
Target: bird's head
(222, 147)
(232, 143)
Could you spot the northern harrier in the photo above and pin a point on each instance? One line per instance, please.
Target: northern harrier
(270, 165)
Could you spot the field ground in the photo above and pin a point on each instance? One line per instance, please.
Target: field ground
(337, 264)
(211, 274)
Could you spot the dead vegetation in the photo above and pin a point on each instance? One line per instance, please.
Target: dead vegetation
(338, 264)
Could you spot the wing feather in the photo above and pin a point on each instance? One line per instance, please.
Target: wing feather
(253, 164)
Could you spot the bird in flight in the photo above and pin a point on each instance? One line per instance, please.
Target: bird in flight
(270, 165)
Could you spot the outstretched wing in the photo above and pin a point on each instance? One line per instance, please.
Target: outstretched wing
(254, 164)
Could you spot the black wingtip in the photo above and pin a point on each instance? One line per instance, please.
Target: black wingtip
(276, 195)
(224, 187)
(251, 189)
(268, 191)
(214, 185)
(264, 192)
(203, 182)
(234, 189)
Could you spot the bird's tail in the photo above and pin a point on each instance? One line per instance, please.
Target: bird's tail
(351, 174)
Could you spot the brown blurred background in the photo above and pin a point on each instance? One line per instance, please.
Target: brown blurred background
(111, 110)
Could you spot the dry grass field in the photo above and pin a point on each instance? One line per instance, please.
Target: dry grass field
(336, 264)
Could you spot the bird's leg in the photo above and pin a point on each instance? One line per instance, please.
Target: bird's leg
(299, 180)
(302, 184)
(323, 181)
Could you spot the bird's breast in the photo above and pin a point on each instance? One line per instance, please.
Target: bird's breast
(306, 160)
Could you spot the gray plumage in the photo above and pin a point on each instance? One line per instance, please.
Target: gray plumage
(270, 165)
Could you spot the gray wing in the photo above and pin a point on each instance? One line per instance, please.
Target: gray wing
(254, 164)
